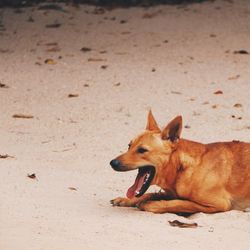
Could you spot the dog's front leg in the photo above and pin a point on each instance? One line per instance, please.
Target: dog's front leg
(181, 206)
(125, 202)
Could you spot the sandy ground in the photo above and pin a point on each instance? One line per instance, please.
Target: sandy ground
(168, 58)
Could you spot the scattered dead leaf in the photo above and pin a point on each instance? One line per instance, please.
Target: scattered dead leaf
(30, 19)
(103, 52)
(218, 92)
(85, 49)
(176, 92)
(151, 15)
(212, 35)
(72, 188)
(125, 32)
(72, 95)
(214, 106)
(23, 116)
(2, 85)
(242, 52)
(238, 105)
(117, 84)
(176, 223)
(6, 156)
(104, 66)
(50, 61)
(4, 50)
(53, 49)
(123, 21)
(233, 77)
(51, 44)
(187, 126)
(86, 85)
(53, 25)
(97, 60)
(153, 69)
(31, 176)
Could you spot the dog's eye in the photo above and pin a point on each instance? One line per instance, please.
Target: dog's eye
(141, 150)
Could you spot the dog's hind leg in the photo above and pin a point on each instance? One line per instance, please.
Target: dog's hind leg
(182, 206)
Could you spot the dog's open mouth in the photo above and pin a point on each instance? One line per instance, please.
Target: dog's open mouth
(142, 182)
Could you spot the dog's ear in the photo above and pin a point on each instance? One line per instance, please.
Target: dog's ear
(173, 130)
(152, 124)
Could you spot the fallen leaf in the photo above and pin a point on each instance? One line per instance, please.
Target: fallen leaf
(51, 44)
(53, 49)
(50, 61)
(30, 19)
(86, 85)
(31, 176)
(117, 84)
(3, 86)
(96, 60)
(53, 25)
(123, 21)
(104, 66)
(212, 35)
(176, 92)
(238, 105)
(187, 126)
(177, 223)
(218, 92)
(215, 106)
(85, 49)
(23, 116)
(6, 156)
(233, 77)
(242, 52)
(153, 69)
(72, 188)
(72, 95)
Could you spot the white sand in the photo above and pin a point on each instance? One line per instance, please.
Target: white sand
(70, 141)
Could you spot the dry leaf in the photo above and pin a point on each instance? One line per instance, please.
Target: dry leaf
(6, 156)
(23, 116)
(72, 95)
(117, 84)
(51, 44)
(176, 92)
(218, 92)
(31, 176)
(96, 60)
(233, 77)
(214, 106)
(85, 49)
(50, 61)
(104, 66)
(72, 188)
(242, 52)
(3, 85)
(53, 25)
(238, 105)
(53, 49)
(177, 223)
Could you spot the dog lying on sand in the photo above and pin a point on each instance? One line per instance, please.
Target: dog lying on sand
(194, 177)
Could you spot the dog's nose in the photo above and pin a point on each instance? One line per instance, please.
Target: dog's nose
(115, 164)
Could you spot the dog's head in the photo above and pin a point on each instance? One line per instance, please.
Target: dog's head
(149, 153)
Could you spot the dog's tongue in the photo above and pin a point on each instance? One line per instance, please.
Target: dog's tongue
(133, 190)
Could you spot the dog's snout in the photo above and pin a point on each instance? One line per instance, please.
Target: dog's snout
(115, 164)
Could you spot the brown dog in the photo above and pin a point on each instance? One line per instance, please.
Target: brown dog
(195, 177)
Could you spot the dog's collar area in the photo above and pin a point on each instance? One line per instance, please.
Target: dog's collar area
(142, 182)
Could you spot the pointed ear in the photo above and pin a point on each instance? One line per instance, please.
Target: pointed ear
(173, 130)
(152, 124)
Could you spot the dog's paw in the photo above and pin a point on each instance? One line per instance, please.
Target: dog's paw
(122, 202)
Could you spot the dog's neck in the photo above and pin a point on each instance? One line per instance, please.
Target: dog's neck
(187, 155)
